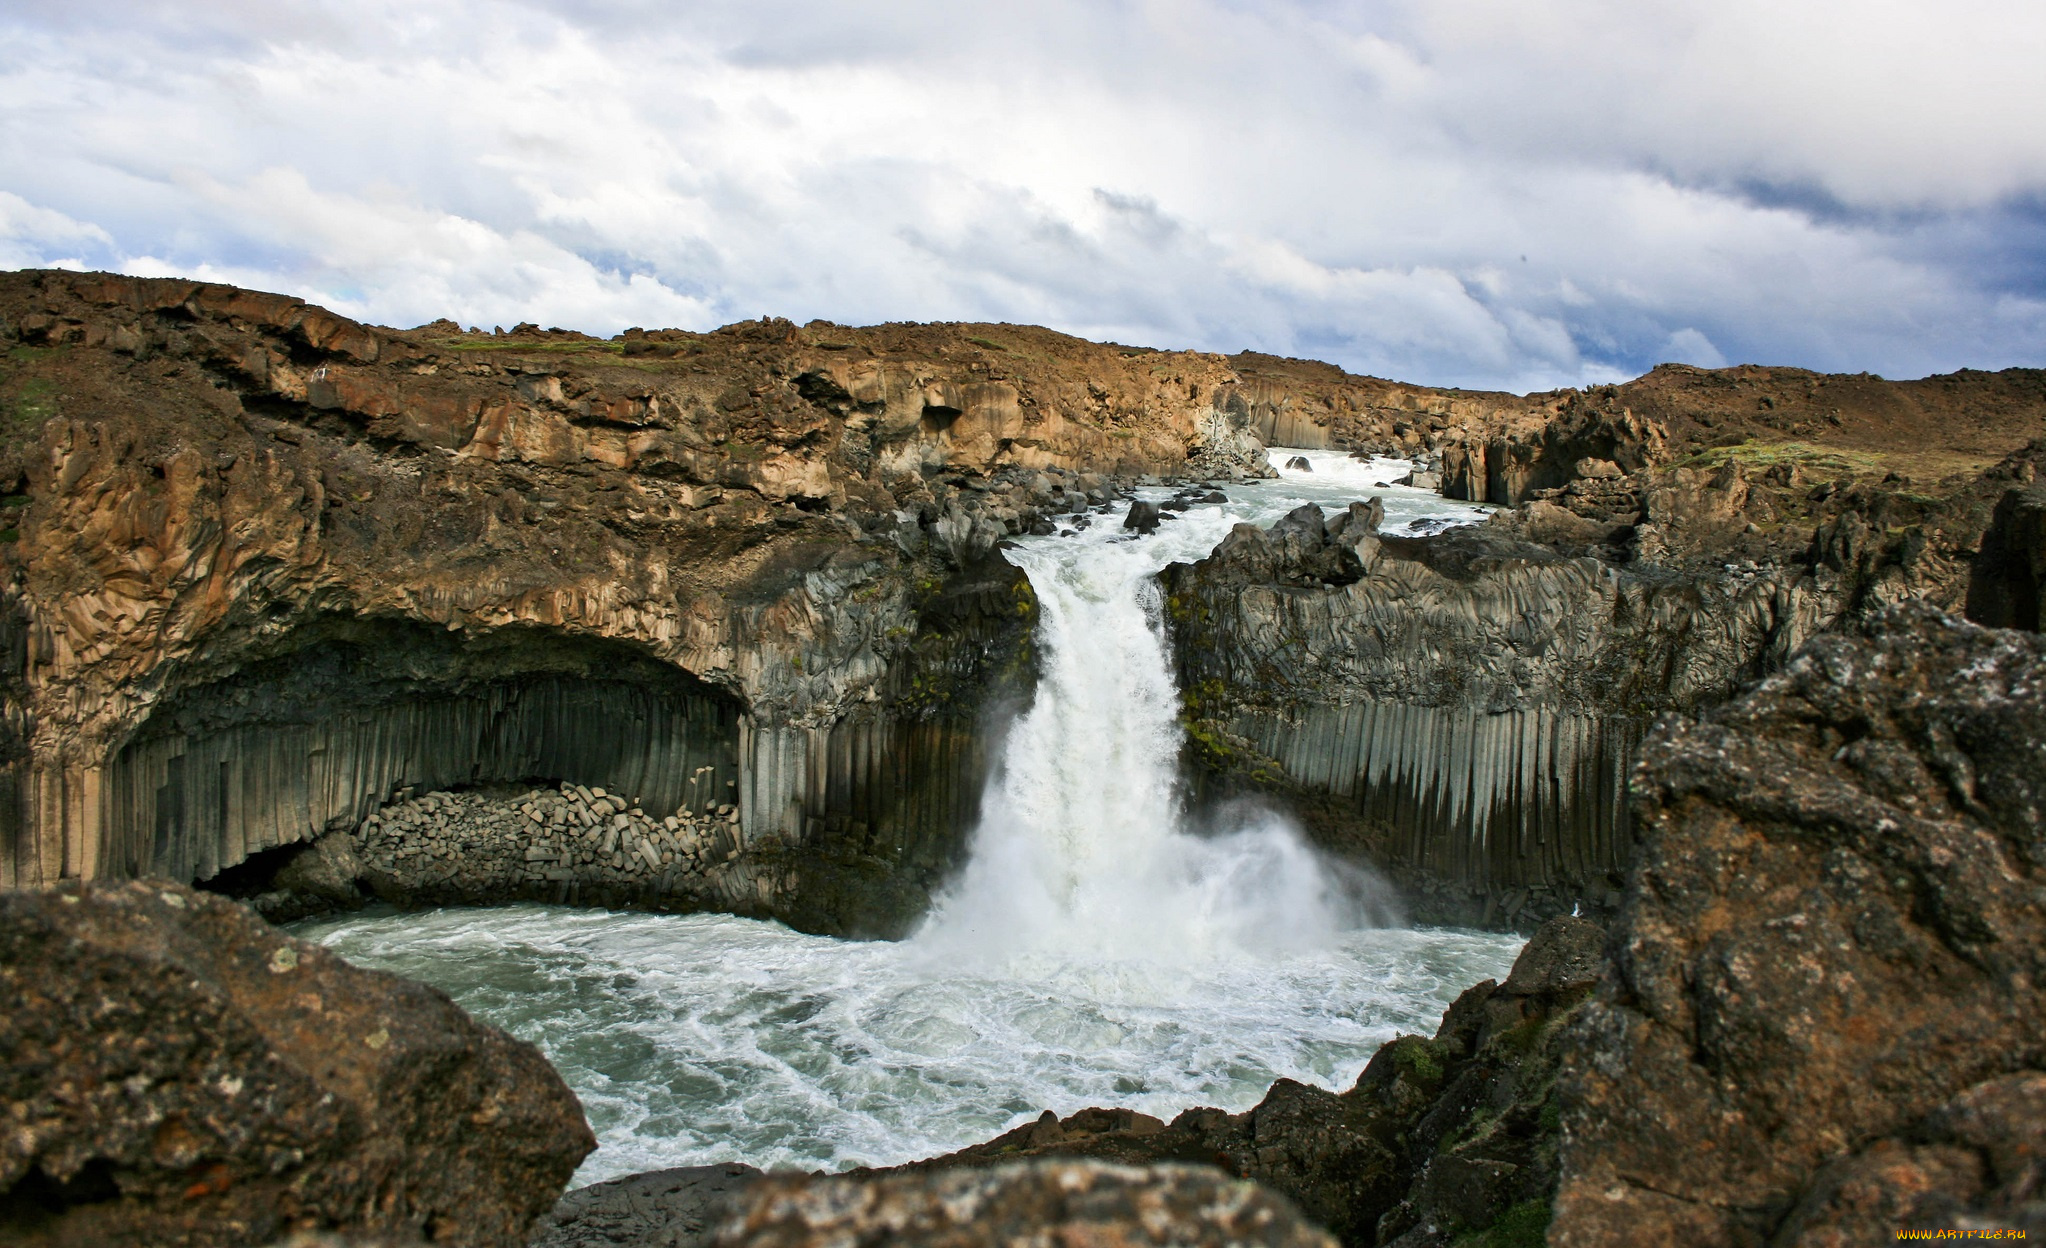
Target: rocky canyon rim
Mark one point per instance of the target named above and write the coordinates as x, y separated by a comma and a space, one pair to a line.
267, 567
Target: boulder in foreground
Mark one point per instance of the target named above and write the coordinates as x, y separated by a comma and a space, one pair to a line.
1076, 1203
175, 1071
1827, 1014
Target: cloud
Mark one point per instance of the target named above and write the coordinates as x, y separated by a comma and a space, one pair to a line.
1556, 192
1688, 346
33, 236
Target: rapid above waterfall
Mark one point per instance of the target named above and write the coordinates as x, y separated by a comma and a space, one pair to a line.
1104, 945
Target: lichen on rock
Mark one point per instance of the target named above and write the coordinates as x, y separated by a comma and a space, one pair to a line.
1828, 967
174, 1070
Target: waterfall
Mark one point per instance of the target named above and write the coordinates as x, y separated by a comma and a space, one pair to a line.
1095, 951
1084, 848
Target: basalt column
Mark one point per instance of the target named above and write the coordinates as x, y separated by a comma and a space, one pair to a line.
344, 712
852, 822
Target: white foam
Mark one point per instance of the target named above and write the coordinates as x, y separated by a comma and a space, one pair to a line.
699, 1039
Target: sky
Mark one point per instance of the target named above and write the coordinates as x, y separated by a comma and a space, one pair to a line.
1521, 194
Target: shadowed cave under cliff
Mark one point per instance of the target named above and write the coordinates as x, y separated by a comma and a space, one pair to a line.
342, 712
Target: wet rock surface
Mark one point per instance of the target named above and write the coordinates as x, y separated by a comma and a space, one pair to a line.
679, 1208
173, 1070
1018, 1206
1824, 1014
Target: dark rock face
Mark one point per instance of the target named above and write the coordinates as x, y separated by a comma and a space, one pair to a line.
219, 770
1511, 464
856, 819
678, 1208
2010, 571
1825, 1012
178, 1072
1018, 1206
1439, 1139
1460, 709
1143, 517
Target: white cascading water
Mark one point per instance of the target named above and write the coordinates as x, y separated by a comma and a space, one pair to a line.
1095, 951
1082, 847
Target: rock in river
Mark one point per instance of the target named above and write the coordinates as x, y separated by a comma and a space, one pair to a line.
1143, 517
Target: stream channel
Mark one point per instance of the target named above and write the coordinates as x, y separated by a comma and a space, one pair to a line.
1103, 946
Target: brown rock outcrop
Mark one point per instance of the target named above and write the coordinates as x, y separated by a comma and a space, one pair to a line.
174, 1071
2007, 587
1825, 1012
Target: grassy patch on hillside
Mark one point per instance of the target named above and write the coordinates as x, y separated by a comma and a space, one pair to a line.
26, 400
1814, 460
555, 348
1833, 463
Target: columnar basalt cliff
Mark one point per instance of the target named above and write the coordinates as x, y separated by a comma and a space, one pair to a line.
1464, 708
267, 565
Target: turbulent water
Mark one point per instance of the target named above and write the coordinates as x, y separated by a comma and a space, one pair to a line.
1096, 951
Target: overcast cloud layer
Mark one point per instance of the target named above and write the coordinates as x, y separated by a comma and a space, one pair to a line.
1516, 195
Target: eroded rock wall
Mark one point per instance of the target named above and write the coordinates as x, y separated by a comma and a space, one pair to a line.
350, 711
